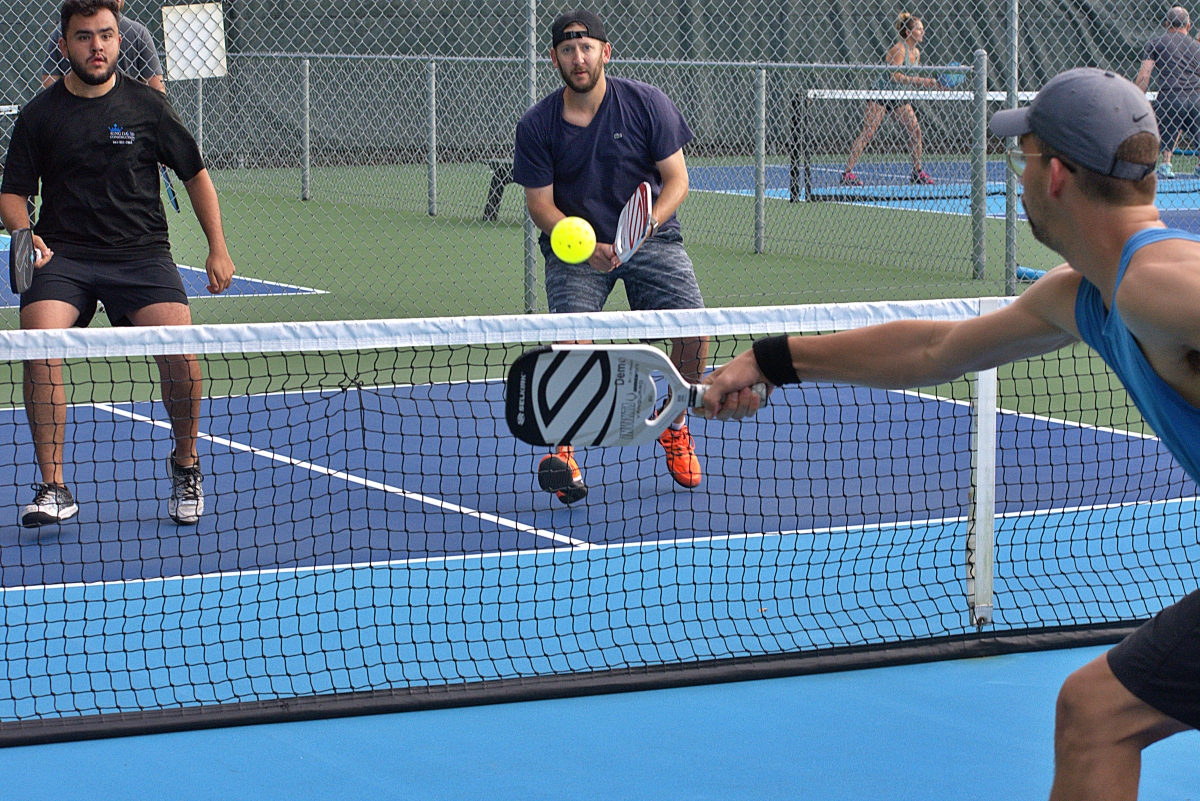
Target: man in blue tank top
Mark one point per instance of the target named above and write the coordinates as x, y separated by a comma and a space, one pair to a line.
581, 152
1130, 289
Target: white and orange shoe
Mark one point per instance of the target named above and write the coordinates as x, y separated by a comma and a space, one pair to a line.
559, 473
682, 463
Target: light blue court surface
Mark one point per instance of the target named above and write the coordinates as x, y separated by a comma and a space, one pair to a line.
885, 185
970, 730
195, 281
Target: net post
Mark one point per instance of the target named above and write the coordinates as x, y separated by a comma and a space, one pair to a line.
431, 135
979, 167
306, 138
981, 515
760, 164
1010, 194
531, 92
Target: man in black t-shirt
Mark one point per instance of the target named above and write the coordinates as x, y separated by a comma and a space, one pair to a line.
1176, 56
94, 141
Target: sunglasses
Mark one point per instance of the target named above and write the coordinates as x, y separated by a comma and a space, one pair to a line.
1017, 159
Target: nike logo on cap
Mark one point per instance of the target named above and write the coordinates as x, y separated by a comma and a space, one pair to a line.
1137, 118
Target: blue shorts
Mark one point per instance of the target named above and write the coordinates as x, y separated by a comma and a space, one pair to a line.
123, 287
659, 276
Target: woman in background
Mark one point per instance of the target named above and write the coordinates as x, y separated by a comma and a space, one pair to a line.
905, 53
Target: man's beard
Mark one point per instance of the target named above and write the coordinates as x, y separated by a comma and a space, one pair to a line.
593, 79
80, 70
1037, 232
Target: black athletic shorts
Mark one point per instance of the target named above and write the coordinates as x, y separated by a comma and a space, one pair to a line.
1178, 115
1160, 662
122, 286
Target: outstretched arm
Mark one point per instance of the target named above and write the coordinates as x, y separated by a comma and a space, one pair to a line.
208, 211
913, 353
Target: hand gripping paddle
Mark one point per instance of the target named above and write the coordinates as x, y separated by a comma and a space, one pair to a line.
595, 395
633, 226
21, 256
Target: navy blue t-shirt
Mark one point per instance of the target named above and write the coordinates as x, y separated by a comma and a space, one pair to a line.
595, 169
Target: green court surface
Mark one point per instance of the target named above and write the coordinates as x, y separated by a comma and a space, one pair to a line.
366, 240
367, 243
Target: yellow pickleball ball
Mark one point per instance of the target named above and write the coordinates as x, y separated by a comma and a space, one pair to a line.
573, 240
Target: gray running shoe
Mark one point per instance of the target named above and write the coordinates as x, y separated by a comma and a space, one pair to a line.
52, 503
186, 503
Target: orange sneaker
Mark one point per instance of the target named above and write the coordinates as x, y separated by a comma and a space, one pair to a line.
559, 473
681, 457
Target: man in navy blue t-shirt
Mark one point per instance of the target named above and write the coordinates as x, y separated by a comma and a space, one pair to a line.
581, 152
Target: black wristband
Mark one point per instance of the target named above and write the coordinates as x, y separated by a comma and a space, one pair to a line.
774, 359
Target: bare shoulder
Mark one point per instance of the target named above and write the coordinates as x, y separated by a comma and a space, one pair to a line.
1052, 299
1161, 290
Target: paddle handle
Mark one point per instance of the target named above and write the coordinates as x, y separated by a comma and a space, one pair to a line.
696, 394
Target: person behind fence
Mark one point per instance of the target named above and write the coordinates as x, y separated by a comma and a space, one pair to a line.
138, 57
582, 151
906, 52
91, 144
1129, 289
1176, 56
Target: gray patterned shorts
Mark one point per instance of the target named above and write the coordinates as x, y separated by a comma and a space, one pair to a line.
659, 276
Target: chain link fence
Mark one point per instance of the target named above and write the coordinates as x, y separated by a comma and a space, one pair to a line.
362, 151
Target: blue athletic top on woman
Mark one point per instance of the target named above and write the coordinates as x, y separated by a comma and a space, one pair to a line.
1176, 421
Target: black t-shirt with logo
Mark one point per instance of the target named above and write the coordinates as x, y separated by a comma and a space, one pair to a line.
97, 161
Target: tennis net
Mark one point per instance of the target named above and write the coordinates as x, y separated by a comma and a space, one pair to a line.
375, 540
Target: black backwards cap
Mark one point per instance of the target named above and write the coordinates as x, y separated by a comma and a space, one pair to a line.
592, 26
1085, 114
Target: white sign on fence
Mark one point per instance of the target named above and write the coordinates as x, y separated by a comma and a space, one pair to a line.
194, 36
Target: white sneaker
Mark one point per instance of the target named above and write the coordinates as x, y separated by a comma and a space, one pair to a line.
186, 503
52, 504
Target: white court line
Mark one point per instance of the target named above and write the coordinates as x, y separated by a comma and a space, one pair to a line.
599, 547
305, 290
350, 478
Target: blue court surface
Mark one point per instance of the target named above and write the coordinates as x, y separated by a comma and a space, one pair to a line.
436, 522
885, 185
436, 532
968, 730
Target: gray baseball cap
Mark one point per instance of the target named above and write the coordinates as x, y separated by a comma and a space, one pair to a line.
1085, 114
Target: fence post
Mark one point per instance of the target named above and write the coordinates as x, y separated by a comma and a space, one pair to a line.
760, 166
306, 138
431, 135
979, 167
981, 520
1010, 193
200, 116
530, 229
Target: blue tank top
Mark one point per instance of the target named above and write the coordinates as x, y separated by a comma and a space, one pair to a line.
1176, 421
888, 80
